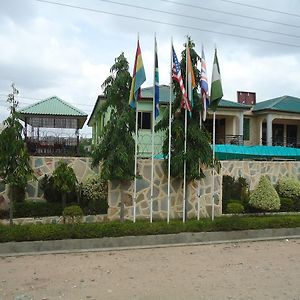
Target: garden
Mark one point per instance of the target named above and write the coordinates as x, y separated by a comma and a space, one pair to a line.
237, 198
63, 196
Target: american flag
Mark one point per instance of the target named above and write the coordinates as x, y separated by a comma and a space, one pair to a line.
176, 75
204, 84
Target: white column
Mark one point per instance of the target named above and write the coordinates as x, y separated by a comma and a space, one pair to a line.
241, 127
269, 129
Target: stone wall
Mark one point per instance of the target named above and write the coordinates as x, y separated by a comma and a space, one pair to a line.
116, 190
46, 165
251, 170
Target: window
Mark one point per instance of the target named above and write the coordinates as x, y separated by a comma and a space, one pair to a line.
144, 120
246, 129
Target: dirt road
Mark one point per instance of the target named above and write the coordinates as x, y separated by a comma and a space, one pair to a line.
258, 270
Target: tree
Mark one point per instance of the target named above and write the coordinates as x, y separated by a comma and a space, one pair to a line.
64, 180
15, 169
198, 140
116, 148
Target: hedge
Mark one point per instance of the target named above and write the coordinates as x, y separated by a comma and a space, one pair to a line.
37, 209
37, 232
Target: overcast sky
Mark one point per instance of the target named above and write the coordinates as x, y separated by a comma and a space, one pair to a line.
51, 50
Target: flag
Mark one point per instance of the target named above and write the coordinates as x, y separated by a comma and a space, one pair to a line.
176, 75
156, 80
138, 78
204, 85
190, 76
216, 92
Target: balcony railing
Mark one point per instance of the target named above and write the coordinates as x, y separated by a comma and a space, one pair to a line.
56, 146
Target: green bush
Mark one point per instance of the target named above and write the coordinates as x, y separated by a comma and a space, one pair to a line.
93, 197
264, 196
235, 208
288, 187
17, 193
37, 232
36, 209
234, 189
287, 204
72, 214
51, 192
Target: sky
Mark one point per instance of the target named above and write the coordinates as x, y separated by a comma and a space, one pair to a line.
49, 49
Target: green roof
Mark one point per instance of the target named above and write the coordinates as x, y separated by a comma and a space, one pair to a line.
284, 103
230, 104
52, 106
164, 96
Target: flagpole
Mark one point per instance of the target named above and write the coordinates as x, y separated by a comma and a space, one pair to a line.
170, 131
153, 122
198, 194
185, 138
213, 170
135, 155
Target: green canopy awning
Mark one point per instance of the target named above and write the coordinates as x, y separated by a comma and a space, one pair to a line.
231, 152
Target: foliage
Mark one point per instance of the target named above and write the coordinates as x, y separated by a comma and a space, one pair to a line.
15, 169
37, 232
64, 179
288, 187
116, 148
235, 189
17, 193
51, 192
198, 140
84, 145
93, 197
235, 208
264, 196
287, 204
37, 209
72, 214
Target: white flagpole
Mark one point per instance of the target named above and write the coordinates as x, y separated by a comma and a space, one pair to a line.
170, 131
198, 194
135, 157
153, 123
185, 138
213, 170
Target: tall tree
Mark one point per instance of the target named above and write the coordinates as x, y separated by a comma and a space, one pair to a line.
116, 148
198, 140
15, 169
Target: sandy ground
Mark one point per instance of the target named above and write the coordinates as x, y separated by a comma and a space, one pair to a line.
258, 270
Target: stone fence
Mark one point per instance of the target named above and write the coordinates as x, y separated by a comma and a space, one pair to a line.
251, 170
46, 165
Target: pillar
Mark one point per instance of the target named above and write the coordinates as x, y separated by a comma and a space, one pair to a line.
241, 128
269, 129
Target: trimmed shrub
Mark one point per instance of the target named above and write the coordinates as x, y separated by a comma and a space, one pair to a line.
72, 214
287, 204
93, 198
29, 209
235, 208
264, 196
288, 187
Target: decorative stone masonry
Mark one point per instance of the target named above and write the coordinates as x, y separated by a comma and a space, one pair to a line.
119, 190
46, 165
54, 220
251, 170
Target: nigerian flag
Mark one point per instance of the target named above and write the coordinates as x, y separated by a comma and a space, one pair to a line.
216, 92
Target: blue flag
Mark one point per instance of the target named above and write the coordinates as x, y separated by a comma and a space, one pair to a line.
156, 80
